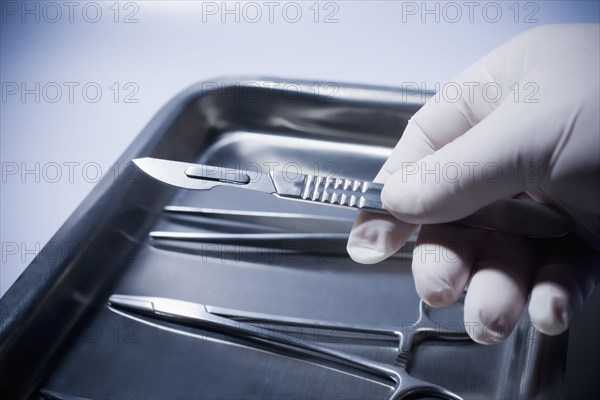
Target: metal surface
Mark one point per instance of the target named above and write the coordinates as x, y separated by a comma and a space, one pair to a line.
58, 334
204, 316
512, 216
261, 220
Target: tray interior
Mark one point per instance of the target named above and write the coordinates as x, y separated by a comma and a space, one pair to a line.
116, 356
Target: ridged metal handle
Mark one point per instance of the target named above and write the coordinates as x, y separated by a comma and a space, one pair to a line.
362, 195
344, 192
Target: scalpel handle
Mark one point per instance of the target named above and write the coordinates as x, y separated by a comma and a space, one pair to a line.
516, 217
363, 195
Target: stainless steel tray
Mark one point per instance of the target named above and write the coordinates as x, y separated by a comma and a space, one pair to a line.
59, 339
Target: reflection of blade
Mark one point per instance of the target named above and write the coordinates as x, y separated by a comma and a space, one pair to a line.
285, 221
202, 177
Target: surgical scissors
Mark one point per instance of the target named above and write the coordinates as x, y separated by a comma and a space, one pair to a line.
226, 321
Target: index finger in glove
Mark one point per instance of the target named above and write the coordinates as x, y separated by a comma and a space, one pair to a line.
375, 237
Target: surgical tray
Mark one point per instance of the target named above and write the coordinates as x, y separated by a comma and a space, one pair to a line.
60, 339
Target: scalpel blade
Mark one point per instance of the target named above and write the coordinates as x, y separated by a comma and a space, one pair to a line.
203, 177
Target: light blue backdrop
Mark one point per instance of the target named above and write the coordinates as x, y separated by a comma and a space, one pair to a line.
59, 134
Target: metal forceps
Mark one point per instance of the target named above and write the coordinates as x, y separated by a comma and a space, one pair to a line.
226, 321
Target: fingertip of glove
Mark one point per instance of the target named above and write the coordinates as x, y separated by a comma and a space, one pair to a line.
365, 255
362, 245
549, 310
439, 296
488, 336
376, 237
487, 328
371, 241
487, 323
433, 288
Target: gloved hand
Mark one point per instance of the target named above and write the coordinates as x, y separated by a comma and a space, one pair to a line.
526, 123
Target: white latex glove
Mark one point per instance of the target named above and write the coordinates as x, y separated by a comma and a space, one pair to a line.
541, 139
